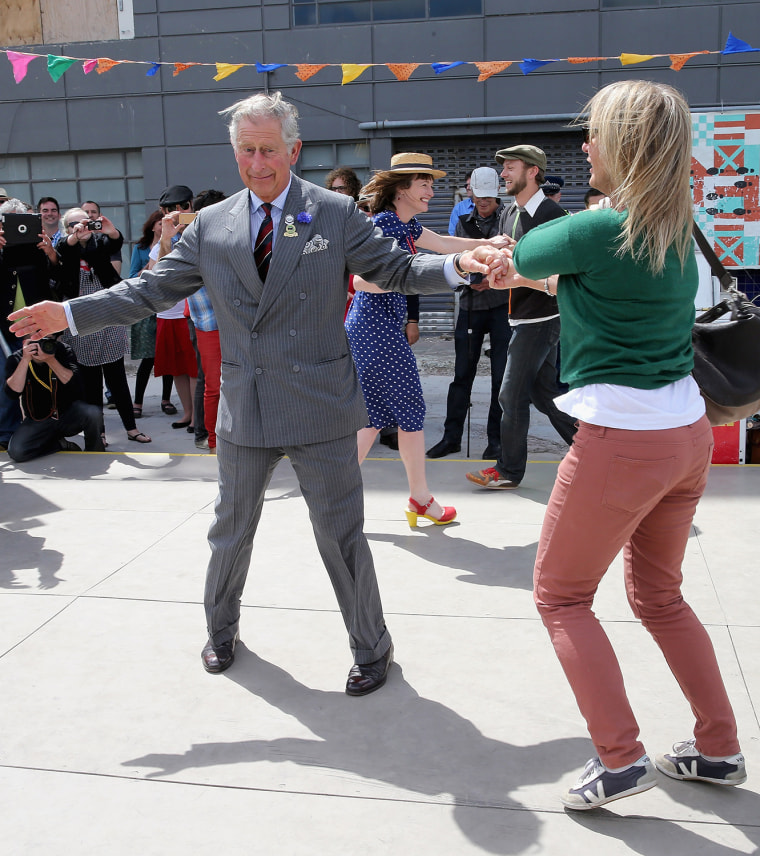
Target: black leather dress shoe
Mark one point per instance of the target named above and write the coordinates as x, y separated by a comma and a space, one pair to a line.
440, 450
217, 658
491, 453
368, 677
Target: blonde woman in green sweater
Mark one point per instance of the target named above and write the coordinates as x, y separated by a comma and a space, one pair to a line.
625, 279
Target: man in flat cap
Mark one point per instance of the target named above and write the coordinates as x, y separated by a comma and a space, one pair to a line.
531, 373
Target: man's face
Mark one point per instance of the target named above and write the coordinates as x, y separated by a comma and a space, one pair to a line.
91, 210
50, 213
263, 159
485, 205
515, 175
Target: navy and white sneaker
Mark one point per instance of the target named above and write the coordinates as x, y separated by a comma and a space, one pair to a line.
686, 762
598, 785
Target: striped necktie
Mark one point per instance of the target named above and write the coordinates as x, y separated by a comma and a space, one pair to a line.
262, 251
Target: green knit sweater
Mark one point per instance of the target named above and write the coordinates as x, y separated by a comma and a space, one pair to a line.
621, 324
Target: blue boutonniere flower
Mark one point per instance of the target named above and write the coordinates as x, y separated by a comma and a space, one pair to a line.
304, 217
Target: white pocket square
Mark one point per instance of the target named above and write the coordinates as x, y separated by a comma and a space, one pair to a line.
315, 245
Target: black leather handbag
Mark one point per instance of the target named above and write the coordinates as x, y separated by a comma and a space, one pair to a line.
726, 340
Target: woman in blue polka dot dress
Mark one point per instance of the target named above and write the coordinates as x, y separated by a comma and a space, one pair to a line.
375, 324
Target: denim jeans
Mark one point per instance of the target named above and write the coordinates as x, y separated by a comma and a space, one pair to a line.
33, 438
530, 377
468, 342
10, 410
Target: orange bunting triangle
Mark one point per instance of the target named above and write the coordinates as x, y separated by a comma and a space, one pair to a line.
225, 69
403, 70
632, 59
678, 61
580, 59
105, 64
307, 70
352, 70
181, 66
486, 69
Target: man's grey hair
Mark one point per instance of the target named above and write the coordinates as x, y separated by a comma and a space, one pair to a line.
15, 206
261, 107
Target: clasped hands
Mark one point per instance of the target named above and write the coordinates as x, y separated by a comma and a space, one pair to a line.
495, 263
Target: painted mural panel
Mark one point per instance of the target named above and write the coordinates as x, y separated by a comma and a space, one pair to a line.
726, 184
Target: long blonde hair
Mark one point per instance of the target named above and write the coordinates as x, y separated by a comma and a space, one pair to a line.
643, 131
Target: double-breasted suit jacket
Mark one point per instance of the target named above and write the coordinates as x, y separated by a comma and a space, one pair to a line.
287, 373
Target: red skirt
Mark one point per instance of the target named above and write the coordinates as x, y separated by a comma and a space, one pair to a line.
175, 354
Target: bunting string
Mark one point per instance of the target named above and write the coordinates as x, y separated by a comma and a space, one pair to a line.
57, 66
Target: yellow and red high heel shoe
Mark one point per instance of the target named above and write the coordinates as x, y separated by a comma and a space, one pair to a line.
415, 510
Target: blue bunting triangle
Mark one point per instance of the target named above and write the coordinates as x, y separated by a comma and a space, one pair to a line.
153, 70
272, 66
440, 67
528, 65
734, 45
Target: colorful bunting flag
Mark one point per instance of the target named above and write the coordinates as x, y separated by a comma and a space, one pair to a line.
487, 69
307, 70
58, 66
440, 67
632, 59
20, 64
402, 70
105, 64
352, 70
181, 66
734, 45
678, 61
225, 69
528, 65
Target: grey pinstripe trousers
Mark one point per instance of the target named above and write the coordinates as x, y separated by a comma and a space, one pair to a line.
329, 476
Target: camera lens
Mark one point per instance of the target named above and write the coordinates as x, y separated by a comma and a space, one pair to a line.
47, 346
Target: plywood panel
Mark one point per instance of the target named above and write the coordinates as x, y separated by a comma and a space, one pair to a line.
20, 23
79, 21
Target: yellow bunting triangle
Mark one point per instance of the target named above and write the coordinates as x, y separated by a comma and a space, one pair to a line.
486, 69
632, 59
403, 70
225, 69
105, 64
307, 70
352, 70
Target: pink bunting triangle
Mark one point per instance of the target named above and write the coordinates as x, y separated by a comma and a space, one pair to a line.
20, 63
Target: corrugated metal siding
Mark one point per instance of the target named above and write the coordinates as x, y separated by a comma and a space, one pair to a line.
564, 157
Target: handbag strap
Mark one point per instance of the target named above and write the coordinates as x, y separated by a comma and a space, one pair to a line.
728, 282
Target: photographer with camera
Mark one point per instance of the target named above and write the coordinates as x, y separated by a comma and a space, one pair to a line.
44, 376
86, 268
28, 267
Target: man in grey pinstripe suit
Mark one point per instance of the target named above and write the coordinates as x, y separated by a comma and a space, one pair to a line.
289, 386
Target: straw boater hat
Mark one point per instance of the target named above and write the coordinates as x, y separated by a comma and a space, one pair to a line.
412, 162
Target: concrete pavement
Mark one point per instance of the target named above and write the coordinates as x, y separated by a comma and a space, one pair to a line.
115, 741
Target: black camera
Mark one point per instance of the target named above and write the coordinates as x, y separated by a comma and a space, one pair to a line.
47, 346
94, 225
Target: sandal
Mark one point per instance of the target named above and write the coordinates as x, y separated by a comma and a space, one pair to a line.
139, 437
168, 408
137, 410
